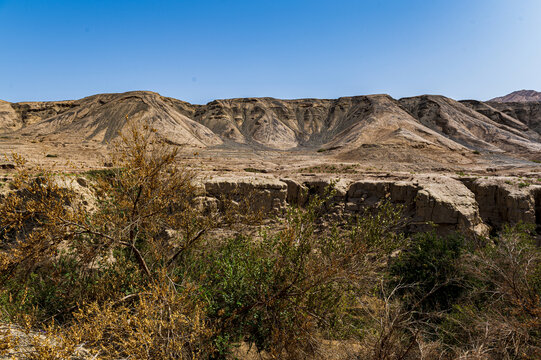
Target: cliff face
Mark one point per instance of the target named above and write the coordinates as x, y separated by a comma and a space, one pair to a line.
468, 205
14, 116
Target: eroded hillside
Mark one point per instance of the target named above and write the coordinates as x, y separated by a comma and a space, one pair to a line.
422, 133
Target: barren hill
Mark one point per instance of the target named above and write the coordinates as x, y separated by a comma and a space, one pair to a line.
101, 117
519, 96
373, 126
344, 122
351, 122
470, 128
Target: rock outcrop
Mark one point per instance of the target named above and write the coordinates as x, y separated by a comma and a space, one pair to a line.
443, 201
468, 205
14, 116
256, 193
506, 200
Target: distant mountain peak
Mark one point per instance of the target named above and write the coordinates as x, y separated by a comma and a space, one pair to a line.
519, 96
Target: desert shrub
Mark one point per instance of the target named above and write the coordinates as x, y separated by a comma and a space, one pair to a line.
47, 291
58, 253
233, 279
504, 320
283, 292
160, 322
54, 290
391, 328
430, 267
101, 173
146, 192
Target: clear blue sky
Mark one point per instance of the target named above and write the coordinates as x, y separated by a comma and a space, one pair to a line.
202, 50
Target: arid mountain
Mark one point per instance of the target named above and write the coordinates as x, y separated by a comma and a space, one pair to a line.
14, 116
527, 113
519, 96
101, 117
468, 127
344, 122
350, 122
424, 124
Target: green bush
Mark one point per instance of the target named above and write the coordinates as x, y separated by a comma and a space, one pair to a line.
430, 269
55, 289
234, 279
277, 292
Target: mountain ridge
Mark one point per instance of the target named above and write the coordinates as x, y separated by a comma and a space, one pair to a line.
425, 122
519, 96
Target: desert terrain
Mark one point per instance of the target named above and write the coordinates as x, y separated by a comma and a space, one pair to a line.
245, 211
463, 165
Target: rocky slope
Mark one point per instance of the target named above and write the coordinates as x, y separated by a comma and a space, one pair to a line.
519, 96
471, 128
527, 113
421, 125
101, 117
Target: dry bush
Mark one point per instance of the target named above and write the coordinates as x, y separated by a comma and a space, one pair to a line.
56, 254
504, 318
395, 329
147, 192
34, 217
159, 323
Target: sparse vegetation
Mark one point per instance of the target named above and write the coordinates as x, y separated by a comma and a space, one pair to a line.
137, 274
328, 149
331, 169
254, 170
101, 173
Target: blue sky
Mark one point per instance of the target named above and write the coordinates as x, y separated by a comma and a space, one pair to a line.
202, 50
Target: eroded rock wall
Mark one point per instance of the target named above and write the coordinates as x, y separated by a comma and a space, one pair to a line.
443, 201
506, 200
266, 194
